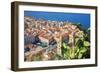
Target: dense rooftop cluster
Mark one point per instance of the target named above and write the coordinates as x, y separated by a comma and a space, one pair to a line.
44, 38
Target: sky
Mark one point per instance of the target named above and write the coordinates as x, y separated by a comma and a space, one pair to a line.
84, 19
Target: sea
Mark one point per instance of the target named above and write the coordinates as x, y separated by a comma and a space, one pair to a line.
81, 18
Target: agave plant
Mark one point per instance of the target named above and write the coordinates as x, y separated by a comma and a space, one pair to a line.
81, 47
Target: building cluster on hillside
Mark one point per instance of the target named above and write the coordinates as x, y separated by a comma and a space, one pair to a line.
43, 38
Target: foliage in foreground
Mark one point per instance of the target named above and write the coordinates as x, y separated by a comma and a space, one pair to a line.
81, 49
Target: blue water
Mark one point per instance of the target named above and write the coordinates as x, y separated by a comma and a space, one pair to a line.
81, 18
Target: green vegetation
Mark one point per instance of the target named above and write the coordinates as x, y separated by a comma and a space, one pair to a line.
80, 50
